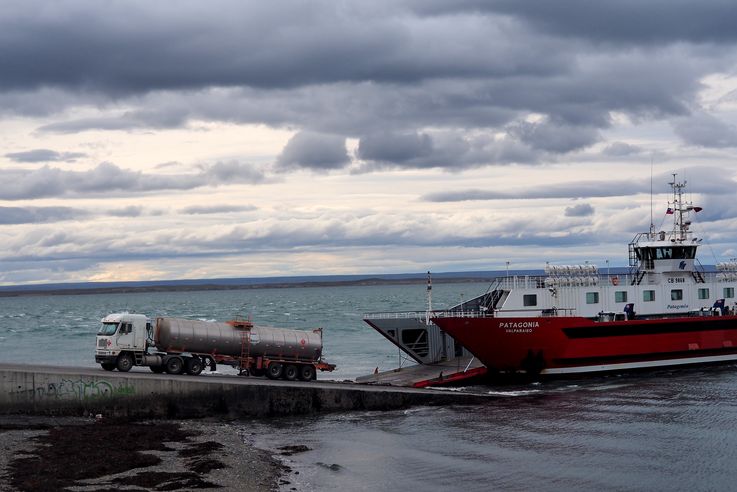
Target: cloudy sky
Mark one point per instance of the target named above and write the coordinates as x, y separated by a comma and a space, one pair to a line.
163, 140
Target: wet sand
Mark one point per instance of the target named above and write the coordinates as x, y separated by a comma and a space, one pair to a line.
86, 455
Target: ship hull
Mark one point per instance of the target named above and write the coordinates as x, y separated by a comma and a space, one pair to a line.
576, 345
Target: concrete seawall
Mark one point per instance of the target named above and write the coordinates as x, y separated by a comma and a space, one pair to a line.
50, 390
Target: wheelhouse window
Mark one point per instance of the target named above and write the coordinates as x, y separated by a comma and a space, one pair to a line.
729, 292
675, 253
620, 296
646, 255
592, 298
108, 329
529, 300
676, 295
648, 295
703, 293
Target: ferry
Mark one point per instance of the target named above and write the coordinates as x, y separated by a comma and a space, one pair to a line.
666, 310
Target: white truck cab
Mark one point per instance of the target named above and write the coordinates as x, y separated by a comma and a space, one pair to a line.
121, 332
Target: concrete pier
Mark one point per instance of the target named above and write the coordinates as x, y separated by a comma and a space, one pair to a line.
47, 390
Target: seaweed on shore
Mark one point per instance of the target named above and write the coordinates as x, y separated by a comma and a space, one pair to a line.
166, 481
67, 455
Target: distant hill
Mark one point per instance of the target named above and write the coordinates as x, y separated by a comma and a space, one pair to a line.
238, 283
258, 282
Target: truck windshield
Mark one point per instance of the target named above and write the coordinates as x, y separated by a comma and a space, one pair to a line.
108, 329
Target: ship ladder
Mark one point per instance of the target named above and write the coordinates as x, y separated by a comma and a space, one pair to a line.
245, 353
638, 278
698, 278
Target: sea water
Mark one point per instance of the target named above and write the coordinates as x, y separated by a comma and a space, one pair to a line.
60, 330
660, 430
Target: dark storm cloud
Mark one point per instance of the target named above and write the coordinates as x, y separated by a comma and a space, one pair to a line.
139, 46
623, 21
110, 179
281, 235
705, 130
555, 137
226, 172
582, 97
712, 181
716, 208
581, 189
449, 150
44, 155
580, 210
313, 151
37, 215
133, 120
45, 215
130, 211
382, 72
621, 149
396, 148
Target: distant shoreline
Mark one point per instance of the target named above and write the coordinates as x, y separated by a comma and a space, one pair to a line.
27, 292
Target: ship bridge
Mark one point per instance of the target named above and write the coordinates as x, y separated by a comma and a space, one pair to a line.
669, 252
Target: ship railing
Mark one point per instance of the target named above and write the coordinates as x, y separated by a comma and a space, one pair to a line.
559, 281
422, 315
397, 315
461, 314
501, 313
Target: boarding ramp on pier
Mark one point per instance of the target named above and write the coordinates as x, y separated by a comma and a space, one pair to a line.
455, 371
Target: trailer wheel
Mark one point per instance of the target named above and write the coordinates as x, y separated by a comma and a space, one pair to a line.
108, 366
156, 369
194, 366
124, 363
274, 371
306, 373
290, 372
174, 365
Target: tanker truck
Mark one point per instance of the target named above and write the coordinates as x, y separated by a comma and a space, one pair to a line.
177, 346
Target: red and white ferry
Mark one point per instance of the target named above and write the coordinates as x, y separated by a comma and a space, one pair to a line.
666, 311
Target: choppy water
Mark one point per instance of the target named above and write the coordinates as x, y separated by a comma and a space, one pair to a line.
61, 329
669, 431
666, 430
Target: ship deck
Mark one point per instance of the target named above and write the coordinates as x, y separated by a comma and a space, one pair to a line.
448, 372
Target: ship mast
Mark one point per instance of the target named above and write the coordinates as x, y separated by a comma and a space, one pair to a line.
680, 227
429, 299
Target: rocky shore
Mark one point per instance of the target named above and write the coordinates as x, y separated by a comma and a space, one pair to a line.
96, 455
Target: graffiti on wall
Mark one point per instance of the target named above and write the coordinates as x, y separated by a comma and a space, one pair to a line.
74, 389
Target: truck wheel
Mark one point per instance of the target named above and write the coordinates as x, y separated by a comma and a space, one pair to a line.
157, 369
125, 362
274, 371
194, 366
306, 373
175, 365
290, 372
108, 366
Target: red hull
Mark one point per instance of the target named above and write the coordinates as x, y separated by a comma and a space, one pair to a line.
559, 345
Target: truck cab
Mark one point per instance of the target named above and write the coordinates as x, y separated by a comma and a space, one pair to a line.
121, 332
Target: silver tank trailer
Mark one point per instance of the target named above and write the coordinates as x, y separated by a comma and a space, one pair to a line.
185, 335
